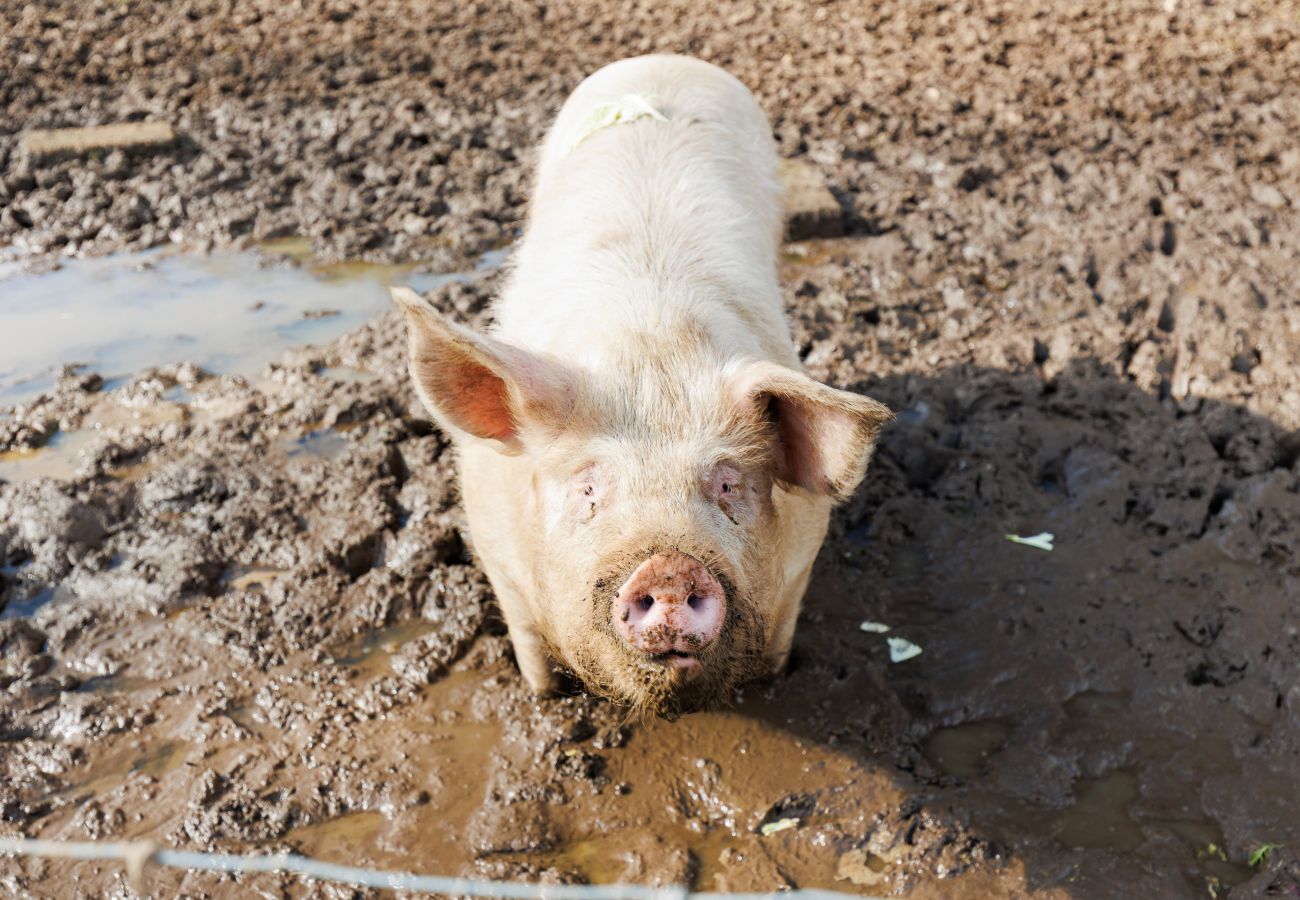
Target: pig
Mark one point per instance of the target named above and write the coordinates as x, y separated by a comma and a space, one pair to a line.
646, 471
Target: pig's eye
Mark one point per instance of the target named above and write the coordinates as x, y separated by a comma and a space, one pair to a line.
586, 501
728, 489
587, 494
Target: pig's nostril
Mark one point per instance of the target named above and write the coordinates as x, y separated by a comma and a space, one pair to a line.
671, 602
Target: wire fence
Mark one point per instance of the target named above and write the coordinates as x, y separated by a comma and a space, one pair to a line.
138, 856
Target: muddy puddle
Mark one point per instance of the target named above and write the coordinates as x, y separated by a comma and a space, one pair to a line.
57, 458
24, 608
227, 312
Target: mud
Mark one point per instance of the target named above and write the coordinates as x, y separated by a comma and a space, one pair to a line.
238, 612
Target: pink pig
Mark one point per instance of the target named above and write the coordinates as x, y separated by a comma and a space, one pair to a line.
647, 472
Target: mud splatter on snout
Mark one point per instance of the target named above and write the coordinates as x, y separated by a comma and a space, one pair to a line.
648, 685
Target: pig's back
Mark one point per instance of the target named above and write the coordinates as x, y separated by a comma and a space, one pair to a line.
723, 117
653, 224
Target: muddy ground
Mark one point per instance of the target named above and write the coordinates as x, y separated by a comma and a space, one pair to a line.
1070, 263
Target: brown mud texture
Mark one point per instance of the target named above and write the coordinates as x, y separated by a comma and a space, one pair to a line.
1069, 262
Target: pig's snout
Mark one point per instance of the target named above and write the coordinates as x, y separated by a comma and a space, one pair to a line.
670, 604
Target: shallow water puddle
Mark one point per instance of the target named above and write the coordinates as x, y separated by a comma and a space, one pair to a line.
963, 750
321, 443
109, 772
1099, 817
227, 312
161, 759
246, 716
22, 608
700, 809
1095, 704
450, 751
370, 654
1203, 839
346, 837
347, 375
613, 858
116, 683
242, 578
58, 458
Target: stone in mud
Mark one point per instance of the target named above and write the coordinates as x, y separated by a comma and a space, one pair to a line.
58, 143
42, 521
19, 642
857, 866
1267, 195
811, 210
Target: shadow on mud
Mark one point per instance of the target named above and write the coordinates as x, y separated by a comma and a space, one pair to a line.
1128, 697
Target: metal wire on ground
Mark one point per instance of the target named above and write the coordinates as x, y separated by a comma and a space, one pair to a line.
139, 855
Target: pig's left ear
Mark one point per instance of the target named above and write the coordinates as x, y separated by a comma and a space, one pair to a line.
825, 436
480, 385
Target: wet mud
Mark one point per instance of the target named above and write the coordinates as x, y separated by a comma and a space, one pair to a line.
119, 313
237, 611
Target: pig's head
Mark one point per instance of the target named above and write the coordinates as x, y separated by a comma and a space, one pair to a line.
659, 573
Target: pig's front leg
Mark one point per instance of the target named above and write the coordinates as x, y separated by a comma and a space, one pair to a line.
534, 661
530, 652
778, 653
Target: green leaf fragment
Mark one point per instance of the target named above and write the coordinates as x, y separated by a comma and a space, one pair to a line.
628, 108
1262, 853
1041, 541
778, 825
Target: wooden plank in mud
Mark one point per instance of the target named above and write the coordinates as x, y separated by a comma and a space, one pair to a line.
57, 143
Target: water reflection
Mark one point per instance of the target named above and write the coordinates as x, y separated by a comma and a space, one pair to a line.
227, 312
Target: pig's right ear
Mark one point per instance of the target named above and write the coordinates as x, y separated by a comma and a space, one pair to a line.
825, 437
479, 385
